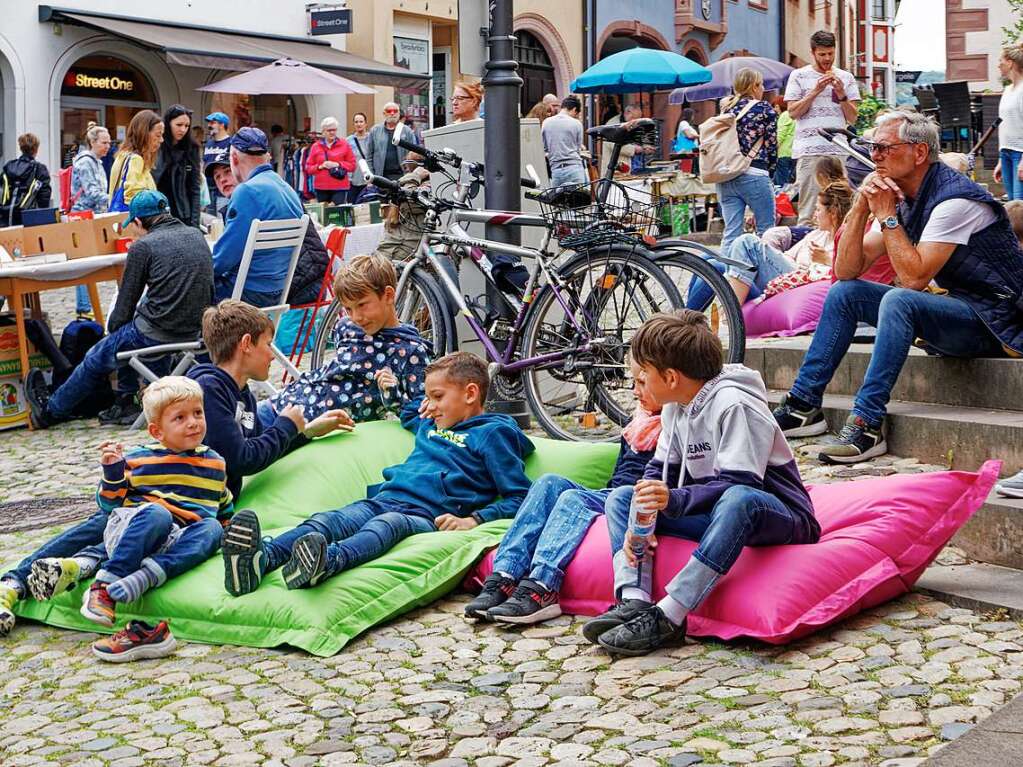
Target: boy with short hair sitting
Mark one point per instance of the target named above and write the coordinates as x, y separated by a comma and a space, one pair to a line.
552, 523
167, 502
369, 342
722, 475
463, 461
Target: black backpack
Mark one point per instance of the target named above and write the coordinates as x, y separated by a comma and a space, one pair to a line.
78, 337
16, 197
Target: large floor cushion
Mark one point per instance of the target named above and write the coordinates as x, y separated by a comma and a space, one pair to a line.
327, 474
789, 313
878, 536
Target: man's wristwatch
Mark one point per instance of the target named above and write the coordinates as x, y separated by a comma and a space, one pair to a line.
892, 222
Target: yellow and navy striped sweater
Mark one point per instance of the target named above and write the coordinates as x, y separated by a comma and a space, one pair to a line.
191, 485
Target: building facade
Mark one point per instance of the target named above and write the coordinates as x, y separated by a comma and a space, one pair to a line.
88, 61
974, 40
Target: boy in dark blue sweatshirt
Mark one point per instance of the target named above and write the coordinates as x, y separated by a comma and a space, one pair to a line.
466, 469
238, 338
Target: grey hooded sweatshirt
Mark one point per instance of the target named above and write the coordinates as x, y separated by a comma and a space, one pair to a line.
727, 436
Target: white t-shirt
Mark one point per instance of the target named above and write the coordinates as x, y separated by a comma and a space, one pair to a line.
956, 221
824, 112
1010, 109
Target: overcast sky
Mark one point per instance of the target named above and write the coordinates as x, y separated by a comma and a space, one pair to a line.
920, 36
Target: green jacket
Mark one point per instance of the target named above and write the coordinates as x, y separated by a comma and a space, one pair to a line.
786, 133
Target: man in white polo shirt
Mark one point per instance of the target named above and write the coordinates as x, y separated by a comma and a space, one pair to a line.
819, 95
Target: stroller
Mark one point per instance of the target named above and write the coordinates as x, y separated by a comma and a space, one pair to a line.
858, 163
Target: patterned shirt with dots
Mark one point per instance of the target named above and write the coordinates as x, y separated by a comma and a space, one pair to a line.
347, 382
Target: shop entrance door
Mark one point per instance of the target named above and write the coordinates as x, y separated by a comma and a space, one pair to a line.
74, 121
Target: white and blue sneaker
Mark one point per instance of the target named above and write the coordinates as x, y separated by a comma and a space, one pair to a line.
1011, 487
244, 557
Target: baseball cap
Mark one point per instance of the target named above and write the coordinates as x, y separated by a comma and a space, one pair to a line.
250, 141
218, 117
146, 203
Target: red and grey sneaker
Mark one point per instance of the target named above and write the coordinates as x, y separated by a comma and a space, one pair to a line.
496, 589
136, 641
531, 603
97, 605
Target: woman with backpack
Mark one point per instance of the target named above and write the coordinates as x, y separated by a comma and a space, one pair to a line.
177, 172
330, 162
132, 170
25, 183
756, 126
89, 191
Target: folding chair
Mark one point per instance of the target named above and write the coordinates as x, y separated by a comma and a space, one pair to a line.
335, 251
263, 235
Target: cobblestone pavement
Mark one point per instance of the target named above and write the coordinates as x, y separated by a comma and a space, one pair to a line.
888, 687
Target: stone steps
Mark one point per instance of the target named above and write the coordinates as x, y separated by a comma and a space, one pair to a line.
977, 586
987, 383
953, 436
995, 533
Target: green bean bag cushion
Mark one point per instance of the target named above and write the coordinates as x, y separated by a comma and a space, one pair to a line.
327, 474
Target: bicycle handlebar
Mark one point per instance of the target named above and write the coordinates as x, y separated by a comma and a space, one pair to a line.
381, 182
449, 158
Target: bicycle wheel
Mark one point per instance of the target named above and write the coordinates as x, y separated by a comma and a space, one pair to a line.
421, 304
706, 290
325, 333
608, 293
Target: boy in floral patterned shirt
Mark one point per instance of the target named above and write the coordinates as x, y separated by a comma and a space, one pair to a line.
380, 362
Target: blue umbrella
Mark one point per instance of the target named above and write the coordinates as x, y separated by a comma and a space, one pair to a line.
640, 69
775, 75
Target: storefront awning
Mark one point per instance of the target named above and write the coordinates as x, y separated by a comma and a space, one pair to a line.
236, 51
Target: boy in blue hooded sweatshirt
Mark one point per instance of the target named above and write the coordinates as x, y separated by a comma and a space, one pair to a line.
466, 469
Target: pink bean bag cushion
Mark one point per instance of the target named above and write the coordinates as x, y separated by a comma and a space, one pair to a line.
787, 314
878, 536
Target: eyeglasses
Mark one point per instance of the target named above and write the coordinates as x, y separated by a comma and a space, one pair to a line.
882, 150
462, 98
390, 111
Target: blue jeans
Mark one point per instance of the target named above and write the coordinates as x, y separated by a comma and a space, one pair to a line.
699, 296
548, 528
65, 544
83, 304
194, 545
223, 287
784, 171
749, 189
761, 262
947, 324
742, 516
1010, 161
100, 362
357, 533
574, 173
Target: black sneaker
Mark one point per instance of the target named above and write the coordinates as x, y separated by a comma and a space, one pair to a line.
643, 634
531, 603
124, 412
308, 563
622, 612
37, 393
799, 423
242, 549
496, 589
856, 442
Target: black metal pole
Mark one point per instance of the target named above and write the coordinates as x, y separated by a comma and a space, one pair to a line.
501, 126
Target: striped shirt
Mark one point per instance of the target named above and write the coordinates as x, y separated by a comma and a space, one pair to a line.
191, 485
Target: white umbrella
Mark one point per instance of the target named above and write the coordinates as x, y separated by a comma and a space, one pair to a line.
287, 77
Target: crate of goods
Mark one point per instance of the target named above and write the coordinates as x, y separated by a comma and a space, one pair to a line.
12, 239
339, 215
104, 230
13, 406
316, 212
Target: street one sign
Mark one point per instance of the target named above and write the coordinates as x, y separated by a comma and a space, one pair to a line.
93, 82
335, 22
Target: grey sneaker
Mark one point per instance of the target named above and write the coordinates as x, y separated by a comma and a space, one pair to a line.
799, 423
643, 634
1011, 487
856, 442
242, 549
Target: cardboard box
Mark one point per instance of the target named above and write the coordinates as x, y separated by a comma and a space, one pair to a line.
104, 233
51, 238
83, 238
12, 239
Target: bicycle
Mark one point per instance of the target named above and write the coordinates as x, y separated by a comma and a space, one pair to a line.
572, 320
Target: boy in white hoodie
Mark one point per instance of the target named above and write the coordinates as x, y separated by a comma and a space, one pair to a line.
722, 474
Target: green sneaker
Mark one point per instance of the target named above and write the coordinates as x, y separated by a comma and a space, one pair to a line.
8, 596
244, 558
52, 576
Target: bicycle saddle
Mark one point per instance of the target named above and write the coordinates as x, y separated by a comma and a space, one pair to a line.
563, 197
635, 132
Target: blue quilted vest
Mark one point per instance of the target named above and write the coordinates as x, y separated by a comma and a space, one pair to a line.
986, 272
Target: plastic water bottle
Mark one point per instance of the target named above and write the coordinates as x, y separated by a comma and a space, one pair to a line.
643, 524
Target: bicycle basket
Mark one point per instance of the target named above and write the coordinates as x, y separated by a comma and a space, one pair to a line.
598, 212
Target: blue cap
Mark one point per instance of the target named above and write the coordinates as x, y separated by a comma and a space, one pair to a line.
250, 141
147, 203
218, 117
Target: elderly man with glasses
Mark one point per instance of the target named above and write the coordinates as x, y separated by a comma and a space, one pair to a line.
935, 225
383, 156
